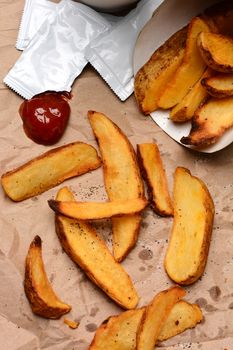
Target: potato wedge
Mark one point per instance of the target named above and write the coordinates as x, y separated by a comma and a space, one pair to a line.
83, 245
219, 86
98, 210
119, 332
185, 109
190, 70
152, 78
38, 290
122, 179
155, 316
210, 121
49, 170
188, 247
155, 177
220, 17
217, 51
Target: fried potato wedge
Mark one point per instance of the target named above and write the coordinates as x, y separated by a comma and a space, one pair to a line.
190, 70
186, 108
220, 17
155, 177
155, 316
83, 245
152, 78
122, 179
219, 86
119, 332
98, 210
217, 51
43, 300
49, 170
188, 247
210, 121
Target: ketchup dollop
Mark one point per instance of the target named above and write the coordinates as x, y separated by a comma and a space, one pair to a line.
45, 116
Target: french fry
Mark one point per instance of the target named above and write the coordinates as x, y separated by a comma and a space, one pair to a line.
42, 299
49, 170
188, 247
154, 174
152, 78
219, 86
83, 245
217, 51
122, 179
98, 210
155, 316
186, 108
190, 70
210, 121
119, 332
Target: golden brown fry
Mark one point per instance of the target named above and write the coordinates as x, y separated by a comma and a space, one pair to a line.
190, 70
155, 316
49, 170
152, 78
71, 324
210, 121
154, 174
182, 316
122, 179
185, 109
219, 86
39, 292
119, 332
188, 248
217, 51
98, 210
83, 245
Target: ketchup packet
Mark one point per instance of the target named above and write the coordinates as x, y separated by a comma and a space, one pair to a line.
34, 14
55, 55
112, 53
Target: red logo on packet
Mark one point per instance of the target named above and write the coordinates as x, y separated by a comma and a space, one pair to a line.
45, 116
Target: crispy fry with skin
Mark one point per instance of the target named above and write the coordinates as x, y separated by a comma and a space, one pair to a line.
119, 332
154, 174
217, 51
152, 78
186, 108
83, 245
98, 210
155, 316
190, 70
49, 170
188, 247
122, 179
210, 121
43, 301
219, 86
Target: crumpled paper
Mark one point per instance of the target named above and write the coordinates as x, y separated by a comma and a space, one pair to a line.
20, 329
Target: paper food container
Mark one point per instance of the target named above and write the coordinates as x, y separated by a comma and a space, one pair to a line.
171, 16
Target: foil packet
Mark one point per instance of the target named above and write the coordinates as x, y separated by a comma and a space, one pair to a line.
55, 55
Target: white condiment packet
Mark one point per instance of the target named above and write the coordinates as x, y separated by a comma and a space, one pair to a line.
35, 12
55, 55
112, 53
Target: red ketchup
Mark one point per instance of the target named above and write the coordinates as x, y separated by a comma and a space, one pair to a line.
45, 116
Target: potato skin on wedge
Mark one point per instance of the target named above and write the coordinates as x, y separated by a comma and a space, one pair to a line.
122, 179
155, 316
219, 86
152, 78
119, 332
155, 177
217, 51
98, 210
210, 121
83, 245
189, 243
50, 169
42, 299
